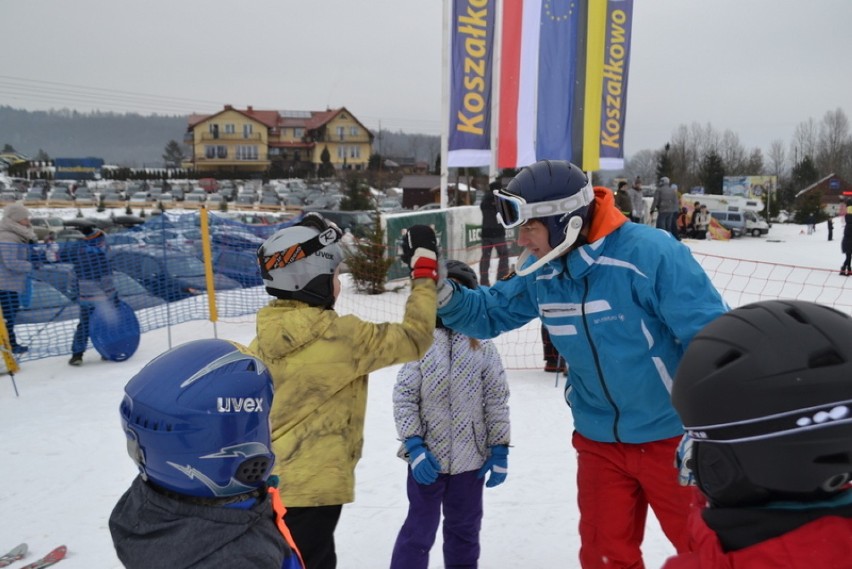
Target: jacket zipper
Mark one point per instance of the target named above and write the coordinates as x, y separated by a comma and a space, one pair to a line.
598, 362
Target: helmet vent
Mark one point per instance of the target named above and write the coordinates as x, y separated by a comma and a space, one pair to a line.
836, 458
252, 470
825, 358
728, 358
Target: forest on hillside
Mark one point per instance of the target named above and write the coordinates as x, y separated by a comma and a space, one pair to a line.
137, 141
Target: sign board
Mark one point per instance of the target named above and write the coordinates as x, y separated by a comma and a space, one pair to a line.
77, 168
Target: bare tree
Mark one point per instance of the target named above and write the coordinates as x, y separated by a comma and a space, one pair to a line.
733, 154
833, 142
642, 164
804, 140
777, 159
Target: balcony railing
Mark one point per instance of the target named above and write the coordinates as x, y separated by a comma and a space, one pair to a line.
207, 136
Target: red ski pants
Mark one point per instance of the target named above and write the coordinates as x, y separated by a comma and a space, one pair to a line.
616, 482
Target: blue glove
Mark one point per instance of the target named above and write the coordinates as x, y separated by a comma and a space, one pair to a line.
424, 465
684, 462
497, 464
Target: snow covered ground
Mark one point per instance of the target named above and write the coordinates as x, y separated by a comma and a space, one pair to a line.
63, 462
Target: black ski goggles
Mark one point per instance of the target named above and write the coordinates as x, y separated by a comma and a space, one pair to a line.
513, 210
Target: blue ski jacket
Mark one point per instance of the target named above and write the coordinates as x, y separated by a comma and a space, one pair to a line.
621, 310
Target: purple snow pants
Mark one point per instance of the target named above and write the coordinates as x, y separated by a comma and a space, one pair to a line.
461, 497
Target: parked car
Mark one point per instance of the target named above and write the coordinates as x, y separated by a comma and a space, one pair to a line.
134, 293
44, 225
48, 304
126, 239
360, 223
242, 266
741, 222
172, 277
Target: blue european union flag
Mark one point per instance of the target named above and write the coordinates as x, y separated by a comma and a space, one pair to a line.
558, 53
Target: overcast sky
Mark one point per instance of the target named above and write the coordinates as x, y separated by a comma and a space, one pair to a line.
757, 67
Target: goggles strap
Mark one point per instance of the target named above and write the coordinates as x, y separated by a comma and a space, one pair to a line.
572, 231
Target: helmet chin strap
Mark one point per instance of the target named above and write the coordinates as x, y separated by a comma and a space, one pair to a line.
572, 231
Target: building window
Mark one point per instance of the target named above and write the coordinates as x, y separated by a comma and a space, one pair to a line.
341, 152
354, 152
221, 152
230, 129
247, 129
246, 152
353, 131
214, 130
210, 152
298, 132
340, 131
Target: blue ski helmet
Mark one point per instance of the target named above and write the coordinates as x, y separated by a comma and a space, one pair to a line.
551, 184
764, 392
197, 419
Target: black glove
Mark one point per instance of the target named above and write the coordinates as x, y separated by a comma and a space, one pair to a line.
420, 252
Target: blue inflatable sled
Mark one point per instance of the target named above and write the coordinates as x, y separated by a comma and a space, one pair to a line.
114, 331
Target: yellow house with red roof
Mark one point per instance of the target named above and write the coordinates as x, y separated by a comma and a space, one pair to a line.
250, 142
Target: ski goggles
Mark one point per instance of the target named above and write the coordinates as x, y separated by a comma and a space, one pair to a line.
513, 210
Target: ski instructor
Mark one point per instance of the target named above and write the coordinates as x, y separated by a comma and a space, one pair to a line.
621, 301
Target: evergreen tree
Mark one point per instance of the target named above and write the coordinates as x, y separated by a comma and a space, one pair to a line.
809, 207
712, 173
357, 196
664, 163
375, 162
173, 155
326, 168
804, 174
368, 264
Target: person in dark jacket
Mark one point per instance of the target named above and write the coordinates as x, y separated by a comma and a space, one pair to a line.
493, 237
622, 200
846, 246
94, 284
763, 392
196, 420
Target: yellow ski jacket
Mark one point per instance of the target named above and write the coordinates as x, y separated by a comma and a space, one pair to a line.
319, 362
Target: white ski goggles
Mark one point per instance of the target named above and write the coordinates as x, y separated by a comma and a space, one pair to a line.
513, 210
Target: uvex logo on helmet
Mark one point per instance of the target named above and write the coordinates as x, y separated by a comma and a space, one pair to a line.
237, 404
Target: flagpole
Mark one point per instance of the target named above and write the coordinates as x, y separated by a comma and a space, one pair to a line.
445, 102
496, 61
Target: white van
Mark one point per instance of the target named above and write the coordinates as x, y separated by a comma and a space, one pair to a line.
741, 222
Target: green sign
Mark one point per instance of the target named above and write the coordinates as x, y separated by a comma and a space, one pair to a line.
473, 238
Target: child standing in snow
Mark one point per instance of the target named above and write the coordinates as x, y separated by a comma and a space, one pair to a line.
452, 414
196, 420
319, 362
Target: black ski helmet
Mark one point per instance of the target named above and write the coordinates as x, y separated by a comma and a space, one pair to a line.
765, 391
462, 273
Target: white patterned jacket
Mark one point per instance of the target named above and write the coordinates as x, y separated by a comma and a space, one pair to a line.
456, 399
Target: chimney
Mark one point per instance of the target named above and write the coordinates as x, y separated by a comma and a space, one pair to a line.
250, 109
228, 107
